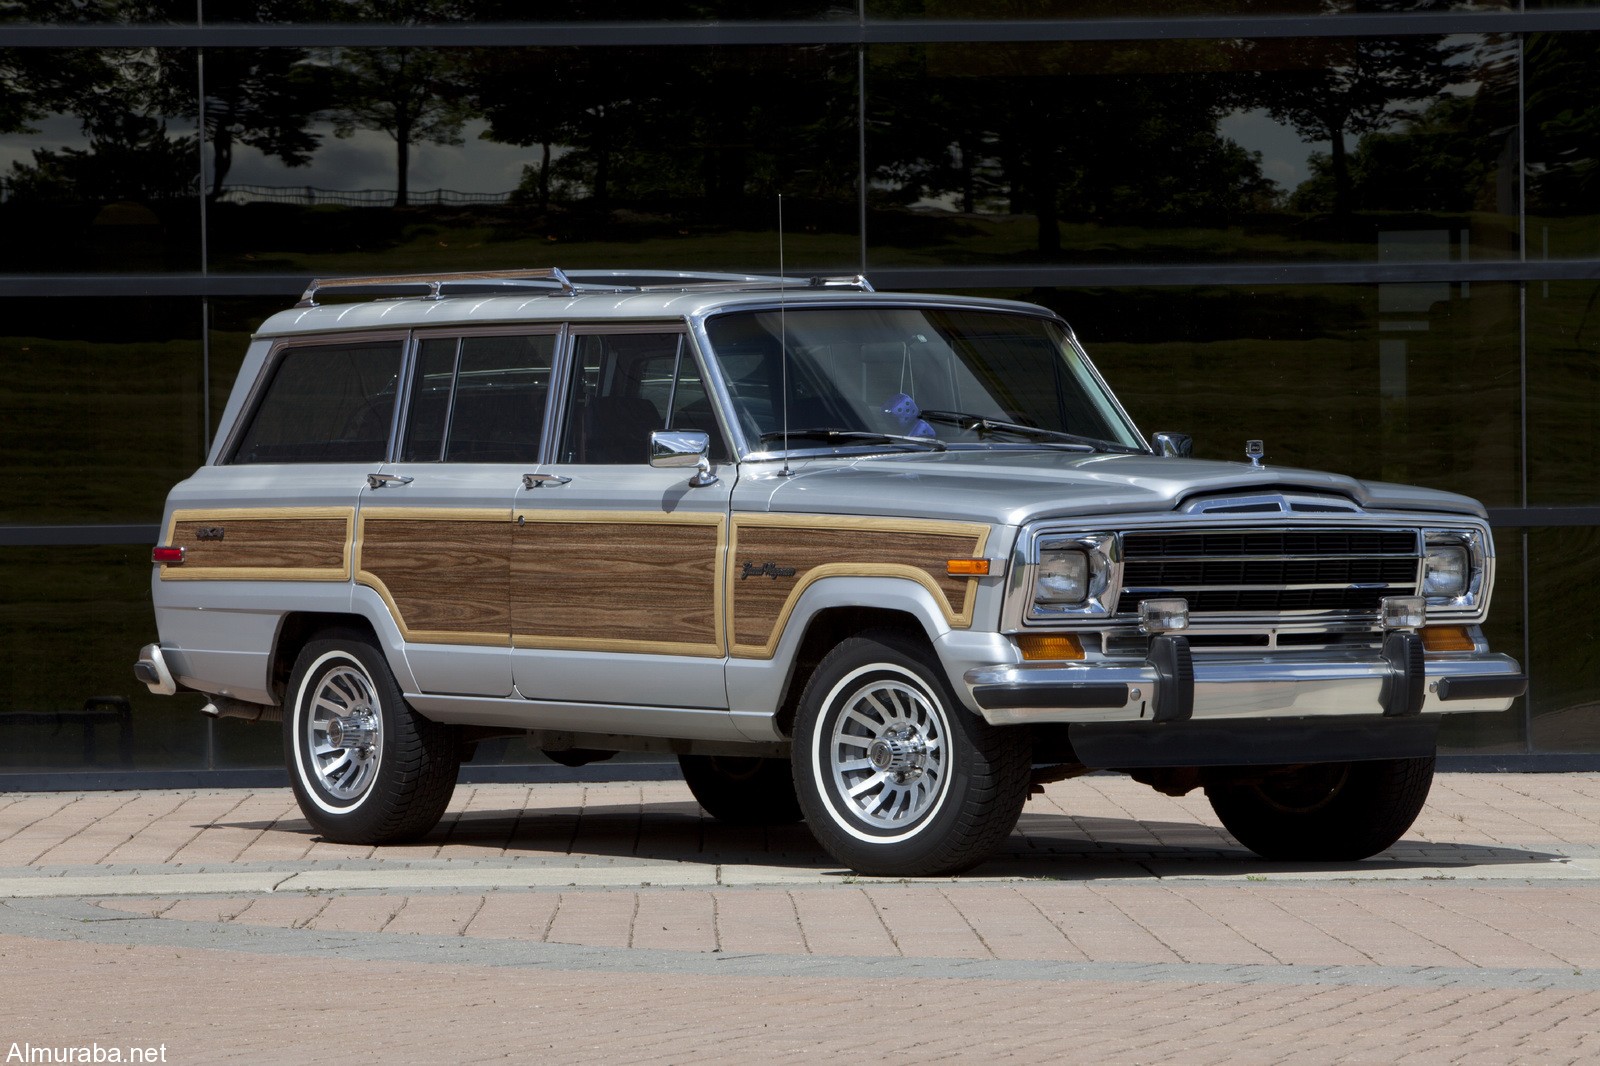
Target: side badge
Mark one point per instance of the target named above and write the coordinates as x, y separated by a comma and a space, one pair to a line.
208, 533
771, 570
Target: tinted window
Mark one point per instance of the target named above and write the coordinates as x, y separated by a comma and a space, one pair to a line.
325, 404
479, 399
626, 386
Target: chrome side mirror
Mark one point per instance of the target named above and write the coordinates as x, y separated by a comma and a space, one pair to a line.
1173, 445
672, 449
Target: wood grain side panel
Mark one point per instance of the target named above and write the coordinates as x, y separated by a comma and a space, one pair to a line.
265, 545
761, 603
599, 584
445, 579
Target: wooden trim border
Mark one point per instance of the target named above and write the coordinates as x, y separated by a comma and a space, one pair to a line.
235, 515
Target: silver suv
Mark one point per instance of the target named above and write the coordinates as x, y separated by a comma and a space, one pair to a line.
880, 561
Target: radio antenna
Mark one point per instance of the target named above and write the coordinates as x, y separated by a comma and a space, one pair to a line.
783, 343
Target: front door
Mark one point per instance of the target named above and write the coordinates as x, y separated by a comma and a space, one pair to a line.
617, 567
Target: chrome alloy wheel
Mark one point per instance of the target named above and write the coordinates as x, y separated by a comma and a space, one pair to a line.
888, 755
344, 733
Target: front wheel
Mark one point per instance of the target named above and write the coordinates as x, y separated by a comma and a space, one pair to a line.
365, 767
1324, 812
896, 778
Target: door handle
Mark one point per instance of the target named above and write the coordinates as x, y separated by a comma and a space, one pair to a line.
378, 481
533, 481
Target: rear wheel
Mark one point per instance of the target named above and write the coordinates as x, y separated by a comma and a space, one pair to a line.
742, 790
1324, 812
895, 776
365, 767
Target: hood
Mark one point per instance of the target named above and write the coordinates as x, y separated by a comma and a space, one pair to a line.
1013, 487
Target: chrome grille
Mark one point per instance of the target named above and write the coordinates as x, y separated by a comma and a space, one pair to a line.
1271, 571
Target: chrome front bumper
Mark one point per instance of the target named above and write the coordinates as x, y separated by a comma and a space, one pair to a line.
1173, 685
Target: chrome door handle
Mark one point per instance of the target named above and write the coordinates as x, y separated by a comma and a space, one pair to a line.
533, 481
378, 481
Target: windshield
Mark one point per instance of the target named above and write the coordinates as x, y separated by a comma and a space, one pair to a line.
959, 377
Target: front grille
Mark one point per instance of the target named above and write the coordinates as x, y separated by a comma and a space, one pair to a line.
1271, 571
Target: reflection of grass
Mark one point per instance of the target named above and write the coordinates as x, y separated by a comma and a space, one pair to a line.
74, 620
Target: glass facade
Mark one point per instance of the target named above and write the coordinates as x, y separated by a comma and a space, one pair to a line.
1372, 244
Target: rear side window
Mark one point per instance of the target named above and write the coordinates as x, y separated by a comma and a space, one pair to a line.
325, 403
479, 399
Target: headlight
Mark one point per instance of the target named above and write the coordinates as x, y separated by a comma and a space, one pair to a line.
1063, 577
1446, 571
1076, 576
1455, 570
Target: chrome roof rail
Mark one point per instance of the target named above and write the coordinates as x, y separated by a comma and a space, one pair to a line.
548, 277
571, 283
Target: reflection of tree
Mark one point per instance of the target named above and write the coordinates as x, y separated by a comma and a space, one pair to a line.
1564, 113
129, 157
1328, 89
412, 94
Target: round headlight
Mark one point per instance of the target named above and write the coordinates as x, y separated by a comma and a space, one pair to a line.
1446, 571
1063, 577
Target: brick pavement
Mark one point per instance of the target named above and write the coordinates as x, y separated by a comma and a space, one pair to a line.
587, 922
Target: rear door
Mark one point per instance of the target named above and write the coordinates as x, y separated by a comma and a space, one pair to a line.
436, 530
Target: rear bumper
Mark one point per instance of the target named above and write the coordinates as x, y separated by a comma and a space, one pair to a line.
1173, 685
152, 669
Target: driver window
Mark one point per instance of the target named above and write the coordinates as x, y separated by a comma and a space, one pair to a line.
624, 387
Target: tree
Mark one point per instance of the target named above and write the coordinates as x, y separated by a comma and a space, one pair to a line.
412, 94
1328, 89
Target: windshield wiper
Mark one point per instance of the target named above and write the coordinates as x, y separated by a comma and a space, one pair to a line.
833, 436
1061, 438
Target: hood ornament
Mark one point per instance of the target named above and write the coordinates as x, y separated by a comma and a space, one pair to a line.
1253, 451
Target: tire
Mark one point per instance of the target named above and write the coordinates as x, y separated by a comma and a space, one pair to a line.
741, 790
364, 766
1326, 812
946, 787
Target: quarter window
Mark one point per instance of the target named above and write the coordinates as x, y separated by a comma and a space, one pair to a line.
325, 404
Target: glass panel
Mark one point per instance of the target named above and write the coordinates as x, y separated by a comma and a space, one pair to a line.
328, 403
99, 161
1564, 657
431, 384
74, 620
1506, 732
499, 158
1563, 393
964, 377
1563, 144
500, 398
999, 10
100, 407
1174, 151
55, 12
1418, 385
513, 11
617, 398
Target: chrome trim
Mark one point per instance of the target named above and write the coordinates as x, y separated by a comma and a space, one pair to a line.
533, 481
1235, 686
153, 671
1018, 612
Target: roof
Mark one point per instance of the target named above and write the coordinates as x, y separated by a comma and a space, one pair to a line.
555, 295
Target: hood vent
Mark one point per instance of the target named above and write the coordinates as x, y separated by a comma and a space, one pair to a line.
1270, 503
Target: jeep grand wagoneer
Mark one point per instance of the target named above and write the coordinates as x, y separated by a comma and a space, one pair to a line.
880, 561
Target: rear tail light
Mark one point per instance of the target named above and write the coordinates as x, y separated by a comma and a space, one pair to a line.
167, 556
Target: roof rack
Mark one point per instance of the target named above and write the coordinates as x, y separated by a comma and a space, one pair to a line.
571, 283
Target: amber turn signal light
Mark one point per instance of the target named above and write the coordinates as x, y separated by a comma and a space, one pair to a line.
967, 567
1447, 638
1050, 646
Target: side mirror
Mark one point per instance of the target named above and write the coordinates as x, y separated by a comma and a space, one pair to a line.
1173, 445
673, 449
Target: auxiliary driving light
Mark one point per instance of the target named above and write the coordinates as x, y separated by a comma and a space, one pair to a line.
1164, 616
1404, 612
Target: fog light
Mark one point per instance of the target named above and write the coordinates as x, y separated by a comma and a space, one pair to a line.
1404, 612
1164, 616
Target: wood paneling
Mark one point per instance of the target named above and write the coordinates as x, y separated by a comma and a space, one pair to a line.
822, 547
266, 544
600, 580
445, 574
